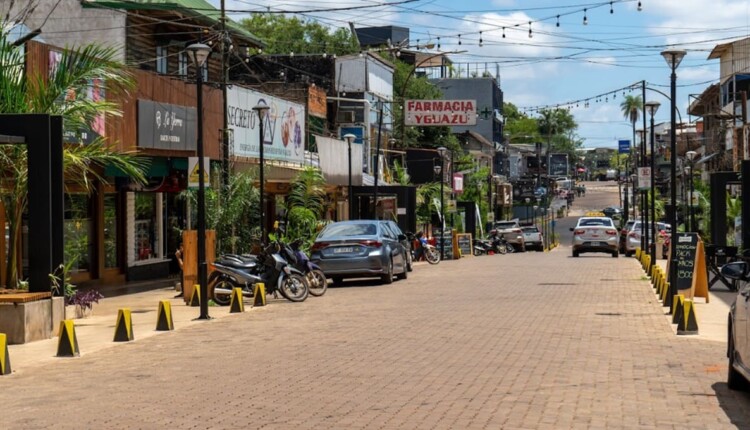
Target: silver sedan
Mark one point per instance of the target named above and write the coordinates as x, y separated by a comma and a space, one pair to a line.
595, 234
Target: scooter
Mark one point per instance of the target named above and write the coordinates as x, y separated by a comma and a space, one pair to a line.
316, 279
269, 267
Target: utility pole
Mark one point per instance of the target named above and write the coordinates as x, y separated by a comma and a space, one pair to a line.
225, 40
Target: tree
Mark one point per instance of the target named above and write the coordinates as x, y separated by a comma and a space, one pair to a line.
631, 108
283, 35
62, 93
305, 205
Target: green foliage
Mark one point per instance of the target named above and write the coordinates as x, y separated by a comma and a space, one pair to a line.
476, 190
307, 190
284, 34
63, 93
60, 281
631, 108
302, 223
400, 174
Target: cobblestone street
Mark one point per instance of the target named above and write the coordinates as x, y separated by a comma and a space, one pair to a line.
520, 341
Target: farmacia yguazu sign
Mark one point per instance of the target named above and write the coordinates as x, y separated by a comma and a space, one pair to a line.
440, 112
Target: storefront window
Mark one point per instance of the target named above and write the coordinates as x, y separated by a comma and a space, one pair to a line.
146, 242
78, 231
110, 230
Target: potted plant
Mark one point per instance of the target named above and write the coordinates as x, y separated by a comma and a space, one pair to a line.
84, 302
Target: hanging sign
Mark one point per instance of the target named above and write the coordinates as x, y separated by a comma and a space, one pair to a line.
644, 178
458, 183
623, 146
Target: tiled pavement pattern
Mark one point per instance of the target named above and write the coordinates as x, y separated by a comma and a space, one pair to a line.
520, 341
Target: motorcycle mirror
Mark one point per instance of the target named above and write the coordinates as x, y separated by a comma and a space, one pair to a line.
736, 270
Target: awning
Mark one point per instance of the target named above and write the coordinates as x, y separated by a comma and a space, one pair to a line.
708, 157
158, 167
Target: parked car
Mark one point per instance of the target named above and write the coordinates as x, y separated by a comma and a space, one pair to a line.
612, 212
738, 344
532, 238
595, 234
511, 232
361, 249
634, 233
624, 235
406, 243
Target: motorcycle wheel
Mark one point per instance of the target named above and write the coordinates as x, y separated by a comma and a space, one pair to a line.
432, 255
317, 282
223, 299
294, 288
502, 249
509, 248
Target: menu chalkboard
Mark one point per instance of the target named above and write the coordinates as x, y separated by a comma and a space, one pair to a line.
465, 244
685, 249
446, 240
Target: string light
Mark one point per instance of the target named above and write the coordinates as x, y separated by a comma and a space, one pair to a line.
503, 32
480, 39
459, 39
611, 9
438, 43
530, 35
585, 18
640, 6
558, 21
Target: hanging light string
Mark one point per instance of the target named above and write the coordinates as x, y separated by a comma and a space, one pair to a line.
583, 11
585, 102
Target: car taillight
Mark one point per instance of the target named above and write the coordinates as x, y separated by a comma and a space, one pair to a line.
372, 243
317, 246
635, 235
579, 232
518, 230
611, 232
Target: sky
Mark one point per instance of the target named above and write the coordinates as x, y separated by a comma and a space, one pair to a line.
618, 46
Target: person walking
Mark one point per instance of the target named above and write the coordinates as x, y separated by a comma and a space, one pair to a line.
178, 255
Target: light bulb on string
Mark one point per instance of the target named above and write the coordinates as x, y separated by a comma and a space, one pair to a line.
417, 43
459, 39
640, 6
585, 18
558, 21
530, 35
438, 43
480, 39
503, 32
611, 9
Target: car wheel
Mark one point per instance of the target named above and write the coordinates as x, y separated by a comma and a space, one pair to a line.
337, 281
403, 275
735, 380
387, 278
575, 254
409, 266
615, 254
628, 254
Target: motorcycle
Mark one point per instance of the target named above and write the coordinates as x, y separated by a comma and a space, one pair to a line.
499, 244
423, 249
316, 279
482, 247
269, 267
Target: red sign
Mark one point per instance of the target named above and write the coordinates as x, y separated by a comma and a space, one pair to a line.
440, 112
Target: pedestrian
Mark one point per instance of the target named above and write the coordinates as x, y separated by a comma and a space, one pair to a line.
178, 255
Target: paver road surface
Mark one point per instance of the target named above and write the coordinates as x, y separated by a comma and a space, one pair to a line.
517, 341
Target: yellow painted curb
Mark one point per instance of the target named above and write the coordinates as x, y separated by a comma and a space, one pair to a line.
4, 356
678, 303
195, 298
164, 318
237, 304
688, 323
124, 326
67, 345
259, 294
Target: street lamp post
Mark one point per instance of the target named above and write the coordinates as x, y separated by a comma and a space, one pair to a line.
651, 108
691, 159
644, 207
262, 111
441, 151
349, 138
527, 200
673, 57
199, 53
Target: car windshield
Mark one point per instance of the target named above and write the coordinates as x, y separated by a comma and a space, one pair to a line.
345, 229
593, 222
530, 230
503, 225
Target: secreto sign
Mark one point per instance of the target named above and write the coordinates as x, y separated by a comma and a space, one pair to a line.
440, 112
283, 126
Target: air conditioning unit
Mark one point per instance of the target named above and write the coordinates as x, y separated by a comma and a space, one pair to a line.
345, 117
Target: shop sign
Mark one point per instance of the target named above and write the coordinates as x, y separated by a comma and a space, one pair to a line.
283, 126
440, 112
166, 126
193, 176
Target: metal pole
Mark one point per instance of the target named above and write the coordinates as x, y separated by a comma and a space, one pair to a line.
202, 268
690, 199
377, 161
442, 211
652, 228
224, 80
644, 206
262, 181
349, 190
673, 185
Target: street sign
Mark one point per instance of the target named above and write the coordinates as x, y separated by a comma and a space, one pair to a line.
644, 178
623, 146
440, 112
193, 177
458, 183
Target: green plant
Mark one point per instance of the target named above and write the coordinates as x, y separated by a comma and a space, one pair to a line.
60, 281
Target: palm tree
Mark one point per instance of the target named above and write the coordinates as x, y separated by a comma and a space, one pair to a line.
307, 190
63, 93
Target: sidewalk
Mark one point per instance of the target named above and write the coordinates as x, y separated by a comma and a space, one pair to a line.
96, 332
711, 316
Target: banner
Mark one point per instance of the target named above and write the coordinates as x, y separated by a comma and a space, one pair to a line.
644, 178
440, 112
283, 126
